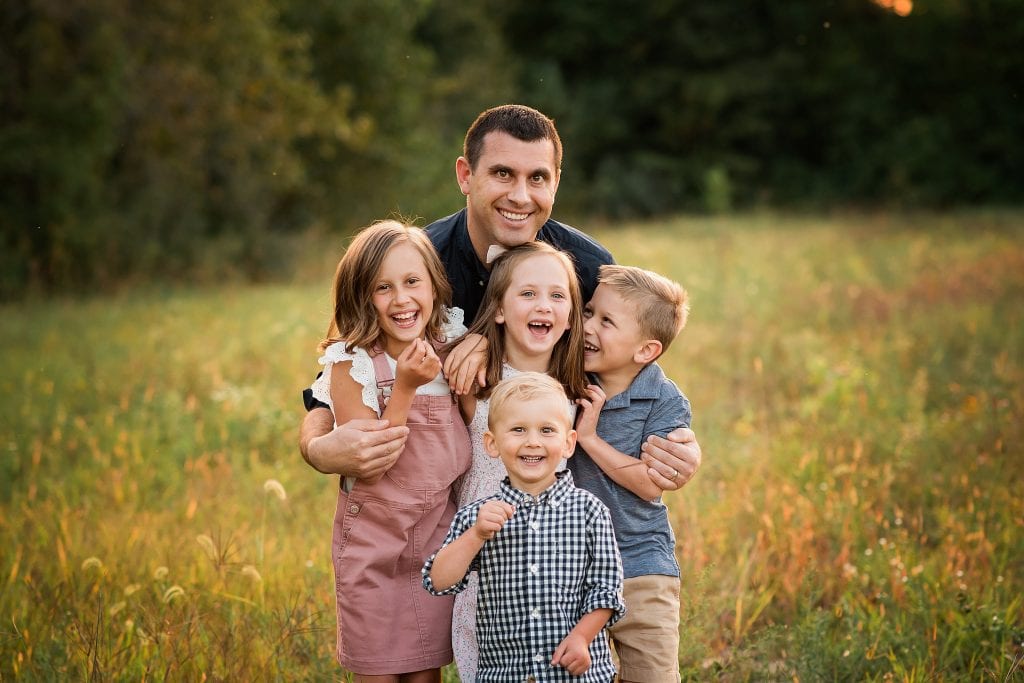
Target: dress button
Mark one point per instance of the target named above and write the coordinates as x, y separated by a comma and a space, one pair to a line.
353, 508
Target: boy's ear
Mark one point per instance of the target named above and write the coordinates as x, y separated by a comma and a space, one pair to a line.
490, 444
570, 443
648, 352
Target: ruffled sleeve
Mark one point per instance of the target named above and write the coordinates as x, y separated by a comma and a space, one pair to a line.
361, 371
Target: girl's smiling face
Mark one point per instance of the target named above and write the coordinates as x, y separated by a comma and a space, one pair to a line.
535, 311
403, 297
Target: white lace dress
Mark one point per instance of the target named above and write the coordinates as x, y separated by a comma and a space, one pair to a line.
483, 479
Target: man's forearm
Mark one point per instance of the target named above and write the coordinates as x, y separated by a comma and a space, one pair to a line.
318, 422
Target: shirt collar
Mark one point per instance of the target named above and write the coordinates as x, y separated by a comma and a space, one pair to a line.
646, 385
552, 495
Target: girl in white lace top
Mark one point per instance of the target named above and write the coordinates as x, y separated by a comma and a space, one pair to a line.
532, 319
379, 360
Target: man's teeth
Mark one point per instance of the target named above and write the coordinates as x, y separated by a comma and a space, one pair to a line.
514, 216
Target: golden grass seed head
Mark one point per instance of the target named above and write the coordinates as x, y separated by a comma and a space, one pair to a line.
92, 563
275, 487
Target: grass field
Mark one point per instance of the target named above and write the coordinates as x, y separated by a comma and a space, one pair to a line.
858, 390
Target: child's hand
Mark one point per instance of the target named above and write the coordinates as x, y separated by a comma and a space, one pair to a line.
417, 365
492, 516
572, 654
590, 409
466, 365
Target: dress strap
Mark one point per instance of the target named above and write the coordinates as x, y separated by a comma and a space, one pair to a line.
385, 378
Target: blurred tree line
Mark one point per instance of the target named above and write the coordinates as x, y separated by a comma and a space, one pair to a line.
170, 139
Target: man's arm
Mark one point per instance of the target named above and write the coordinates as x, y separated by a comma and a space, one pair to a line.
363, 449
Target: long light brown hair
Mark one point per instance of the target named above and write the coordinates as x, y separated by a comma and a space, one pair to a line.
566, 364
354, 320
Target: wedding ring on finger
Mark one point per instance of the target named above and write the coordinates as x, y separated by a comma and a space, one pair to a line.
675, 473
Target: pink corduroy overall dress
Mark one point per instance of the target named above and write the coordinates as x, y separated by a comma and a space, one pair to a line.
384, 532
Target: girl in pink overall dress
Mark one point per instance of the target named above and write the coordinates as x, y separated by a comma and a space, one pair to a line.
389, 296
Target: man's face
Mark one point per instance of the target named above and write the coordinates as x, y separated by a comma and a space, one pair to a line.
511, 191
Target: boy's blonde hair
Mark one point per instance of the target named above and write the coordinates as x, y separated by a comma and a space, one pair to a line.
661, 305
527, 386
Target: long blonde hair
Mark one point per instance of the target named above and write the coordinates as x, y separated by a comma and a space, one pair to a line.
566, 364
354, 320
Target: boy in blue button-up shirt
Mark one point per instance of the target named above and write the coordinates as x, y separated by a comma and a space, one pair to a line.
629, 322
550, 575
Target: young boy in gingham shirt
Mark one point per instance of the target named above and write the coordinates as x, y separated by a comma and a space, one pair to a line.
550, 574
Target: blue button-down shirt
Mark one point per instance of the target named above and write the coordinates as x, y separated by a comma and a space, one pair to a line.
552, 563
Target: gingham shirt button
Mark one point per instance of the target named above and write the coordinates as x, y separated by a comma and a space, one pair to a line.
534, 525
535, 613
538, 658
534, 568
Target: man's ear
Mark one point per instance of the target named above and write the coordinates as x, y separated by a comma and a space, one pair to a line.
490, 444
463, 171
648, 352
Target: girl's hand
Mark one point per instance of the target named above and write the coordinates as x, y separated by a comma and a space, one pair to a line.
466, 365
417, 365
492, 516
590, 409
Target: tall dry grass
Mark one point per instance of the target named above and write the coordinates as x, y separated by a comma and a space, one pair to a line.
857, 390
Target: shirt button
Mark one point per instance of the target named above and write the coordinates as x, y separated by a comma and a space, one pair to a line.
534, 568
554, 503
535, 613
353, 508
538, 658
480, 282
534, 525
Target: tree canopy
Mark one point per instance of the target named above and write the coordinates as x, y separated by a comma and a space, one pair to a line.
140, 139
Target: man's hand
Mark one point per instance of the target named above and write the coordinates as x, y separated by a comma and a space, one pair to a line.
491, 516
364, 449
466, 365
672, 461
572, 654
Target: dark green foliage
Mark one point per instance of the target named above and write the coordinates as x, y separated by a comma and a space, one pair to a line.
185, 140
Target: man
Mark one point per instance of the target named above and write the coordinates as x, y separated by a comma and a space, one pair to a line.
509, 173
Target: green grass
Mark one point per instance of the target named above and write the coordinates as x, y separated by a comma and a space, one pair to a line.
858, 390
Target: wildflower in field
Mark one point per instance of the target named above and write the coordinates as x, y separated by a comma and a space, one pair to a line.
160, 573
275, 487
92, 563
206, 543
131, 588
173, 592
252, 573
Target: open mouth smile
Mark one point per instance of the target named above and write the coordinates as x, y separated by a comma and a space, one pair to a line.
406, 320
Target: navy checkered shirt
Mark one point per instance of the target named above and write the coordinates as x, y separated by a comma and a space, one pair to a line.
553, 562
